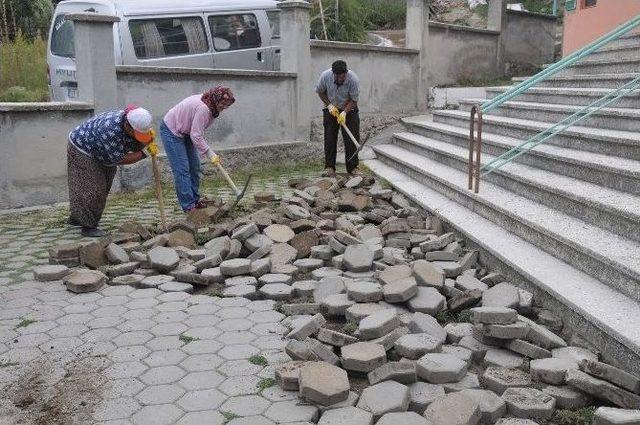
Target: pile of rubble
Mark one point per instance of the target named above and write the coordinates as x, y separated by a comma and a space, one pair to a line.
364, 277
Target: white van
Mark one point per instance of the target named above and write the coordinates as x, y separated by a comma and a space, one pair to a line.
240, 34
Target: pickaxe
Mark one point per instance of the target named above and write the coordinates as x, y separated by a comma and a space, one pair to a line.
239, 193
358, 146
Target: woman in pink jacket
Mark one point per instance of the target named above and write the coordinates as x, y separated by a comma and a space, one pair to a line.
182, 133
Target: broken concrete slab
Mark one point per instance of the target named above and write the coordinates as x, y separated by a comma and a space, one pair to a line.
494, 315
503, 358
394, 273
282, 253
611, 374
279, 233
424, 323
568, 397
235, 267
501, 295
116, 254
457, 331
163, 259
337, 339
47, 273
358, 258
328, 286
602, 389
336, 304
307, 327
422, 394
288, 374
551, 370
323, 383
82, 281
492, 407
613, 416
516, 330
469, 382
427, 274
402, 372
364, 291
322, 352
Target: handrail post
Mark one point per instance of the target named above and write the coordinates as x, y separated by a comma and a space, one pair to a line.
475, 144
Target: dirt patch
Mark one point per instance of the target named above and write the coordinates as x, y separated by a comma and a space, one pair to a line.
55, 391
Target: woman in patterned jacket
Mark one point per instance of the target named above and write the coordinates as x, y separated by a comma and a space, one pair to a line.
96, 147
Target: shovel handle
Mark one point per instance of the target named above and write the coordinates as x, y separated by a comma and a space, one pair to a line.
227, 178
159, 196
353, 139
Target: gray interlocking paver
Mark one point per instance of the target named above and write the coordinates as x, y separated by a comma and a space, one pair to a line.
102, 334
145, 313
129, 354
201, 320
125, 370
166, 329
291, 411
205, 417
162, 414
113, 300
198, 309
160, 394
164, 358
197, 400
247, 405
201, 380
116, 408
239, 351
60, 344
240, 385
236, 337
127, 387
235, 325
132, 338
110, 311
239, 368
170, 317
139, 303
209, 332
165, 343
172, 297
207, 346
200, 362
30, 340
142, 324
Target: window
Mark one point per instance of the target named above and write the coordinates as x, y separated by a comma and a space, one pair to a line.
570, 5
274, 22
234, 32
590, 3
156, 38
62, 38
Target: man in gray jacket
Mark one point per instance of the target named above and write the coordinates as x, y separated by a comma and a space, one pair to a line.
339, 89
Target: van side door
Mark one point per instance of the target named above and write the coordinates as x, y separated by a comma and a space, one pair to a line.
237, 41
176, 41
273, 18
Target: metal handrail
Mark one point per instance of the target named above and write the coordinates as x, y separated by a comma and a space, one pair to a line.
477, 111
581, 115
560, 65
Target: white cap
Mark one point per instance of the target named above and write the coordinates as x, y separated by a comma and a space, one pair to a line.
140, 120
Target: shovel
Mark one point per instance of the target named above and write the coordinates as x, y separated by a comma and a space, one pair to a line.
159, 196
239, 193
358, 146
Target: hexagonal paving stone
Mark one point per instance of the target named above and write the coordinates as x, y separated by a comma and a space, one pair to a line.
129, 354
291, 411
236, 337
248, 405
454, 408
197, 400
116, 408
347, 416
233, 312
384, 397
440, 368
201, 380
164, 358
323, 383
127, 387
205, 417
162, 375
160, 394
363, 356
235, 325
162, 414
199, 362
205, 346
240, 385
529, 403
237, 352
239, 368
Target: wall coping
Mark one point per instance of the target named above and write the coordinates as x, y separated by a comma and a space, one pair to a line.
463, 28
44, 106
92, 17
291, 4
136, 69
358, 46
532, 14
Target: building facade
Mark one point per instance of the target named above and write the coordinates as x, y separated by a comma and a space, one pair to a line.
586, 20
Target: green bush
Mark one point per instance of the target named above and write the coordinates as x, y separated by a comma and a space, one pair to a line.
21, 94
385, 14
23, 70
350, 25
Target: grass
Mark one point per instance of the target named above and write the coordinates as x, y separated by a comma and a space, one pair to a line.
187, 339
8, 364
445, 317
385, 14
258, 360
582, 416
349, 328
228, 416
265, 383
23, 70
24, 323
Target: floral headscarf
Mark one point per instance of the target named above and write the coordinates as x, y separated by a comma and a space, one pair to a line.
216, 95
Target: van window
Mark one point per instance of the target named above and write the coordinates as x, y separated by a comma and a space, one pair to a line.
274, 22
62, 38
155, 38
234, 32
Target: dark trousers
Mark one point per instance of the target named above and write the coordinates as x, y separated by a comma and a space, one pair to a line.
331, 129
89, 186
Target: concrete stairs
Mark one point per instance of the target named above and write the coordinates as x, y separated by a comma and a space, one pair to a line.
562, 220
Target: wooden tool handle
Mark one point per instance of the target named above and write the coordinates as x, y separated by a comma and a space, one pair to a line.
228, 179
158, 184
353, 139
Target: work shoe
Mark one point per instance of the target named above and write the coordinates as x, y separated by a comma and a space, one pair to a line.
356, 172
329, 172
91, 232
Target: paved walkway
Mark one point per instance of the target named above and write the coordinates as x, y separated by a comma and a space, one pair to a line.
123, 355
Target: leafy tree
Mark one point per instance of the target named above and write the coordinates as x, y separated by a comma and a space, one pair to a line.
29, 17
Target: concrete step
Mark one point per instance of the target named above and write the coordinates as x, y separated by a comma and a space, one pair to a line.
629, 49
613, 210
631, 39
568, 96
622, 144
626, 119
597, 312
601, 81
603, 66
606, 256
